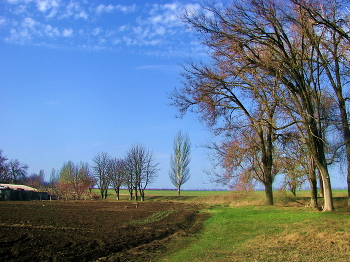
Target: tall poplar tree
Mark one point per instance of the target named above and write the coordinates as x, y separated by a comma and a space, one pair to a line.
179, 162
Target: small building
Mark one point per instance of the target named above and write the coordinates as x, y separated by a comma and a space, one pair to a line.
21, 193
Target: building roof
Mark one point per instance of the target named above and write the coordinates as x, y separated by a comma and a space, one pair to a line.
17, 187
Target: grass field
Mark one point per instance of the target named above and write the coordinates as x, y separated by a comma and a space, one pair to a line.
258, 233
241, 228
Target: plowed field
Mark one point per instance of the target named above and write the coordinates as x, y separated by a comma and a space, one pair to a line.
89, 230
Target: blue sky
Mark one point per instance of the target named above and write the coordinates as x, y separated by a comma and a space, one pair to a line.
82, 77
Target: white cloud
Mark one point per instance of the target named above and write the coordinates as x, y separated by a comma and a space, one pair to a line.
28, 22
51, 31
87, 24
130, 8
3, 21
20, 37
110, 8
73, 9
67, 32
172, 7
82, 14
96, 31
45, 5
104, 9
149, 66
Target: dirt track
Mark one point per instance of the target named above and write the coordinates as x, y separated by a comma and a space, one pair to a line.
88, 230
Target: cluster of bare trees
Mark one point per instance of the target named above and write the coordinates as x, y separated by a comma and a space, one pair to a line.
135, 171
275, 88
73, 181
12, 171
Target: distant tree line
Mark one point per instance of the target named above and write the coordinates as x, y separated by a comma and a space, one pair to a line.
135, 171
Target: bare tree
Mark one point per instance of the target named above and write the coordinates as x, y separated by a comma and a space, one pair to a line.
234, 103
100, 167
141, 168
179, 162
3, 167
117, 171
16, 172
75, 180
266, 37
328, 32
37, 180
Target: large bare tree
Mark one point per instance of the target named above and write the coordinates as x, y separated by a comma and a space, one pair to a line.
117, 172
16, 172
237, 104
141, 169
75, 180
179, 162
327, 28
100, 167
3, 167
266, 37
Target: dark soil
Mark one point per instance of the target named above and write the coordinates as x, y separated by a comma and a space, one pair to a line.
90, 230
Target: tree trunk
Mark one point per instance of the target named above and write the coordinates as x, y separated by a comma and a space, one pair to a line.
130, 194
321, 193
328, 198
313, 193
313, 182
268, 193
346, 134
136, 194
178, 191
293, 190
117, 192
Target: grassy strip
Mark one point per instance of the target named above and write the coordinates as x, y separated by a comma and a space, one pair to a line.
195, 193
258, 233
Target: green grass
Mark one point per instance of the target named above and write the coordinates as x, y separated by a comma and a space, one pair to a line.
259, 233
165, 195
241, 228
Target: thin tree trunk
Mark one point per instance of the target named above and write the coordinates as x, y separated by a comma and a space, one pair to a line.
136, 194
117, 192
346, 135
321, 193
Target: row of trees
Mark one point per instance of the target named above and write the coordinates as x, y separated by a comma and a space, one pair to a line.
135, 171
275, 88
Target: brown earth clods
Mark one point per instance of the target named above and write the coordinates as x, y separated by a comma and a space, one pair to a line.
90, 230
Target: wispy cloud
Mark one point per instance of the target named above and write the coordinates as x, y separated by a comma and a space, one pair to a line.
91, 26
110, 8
149, 67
